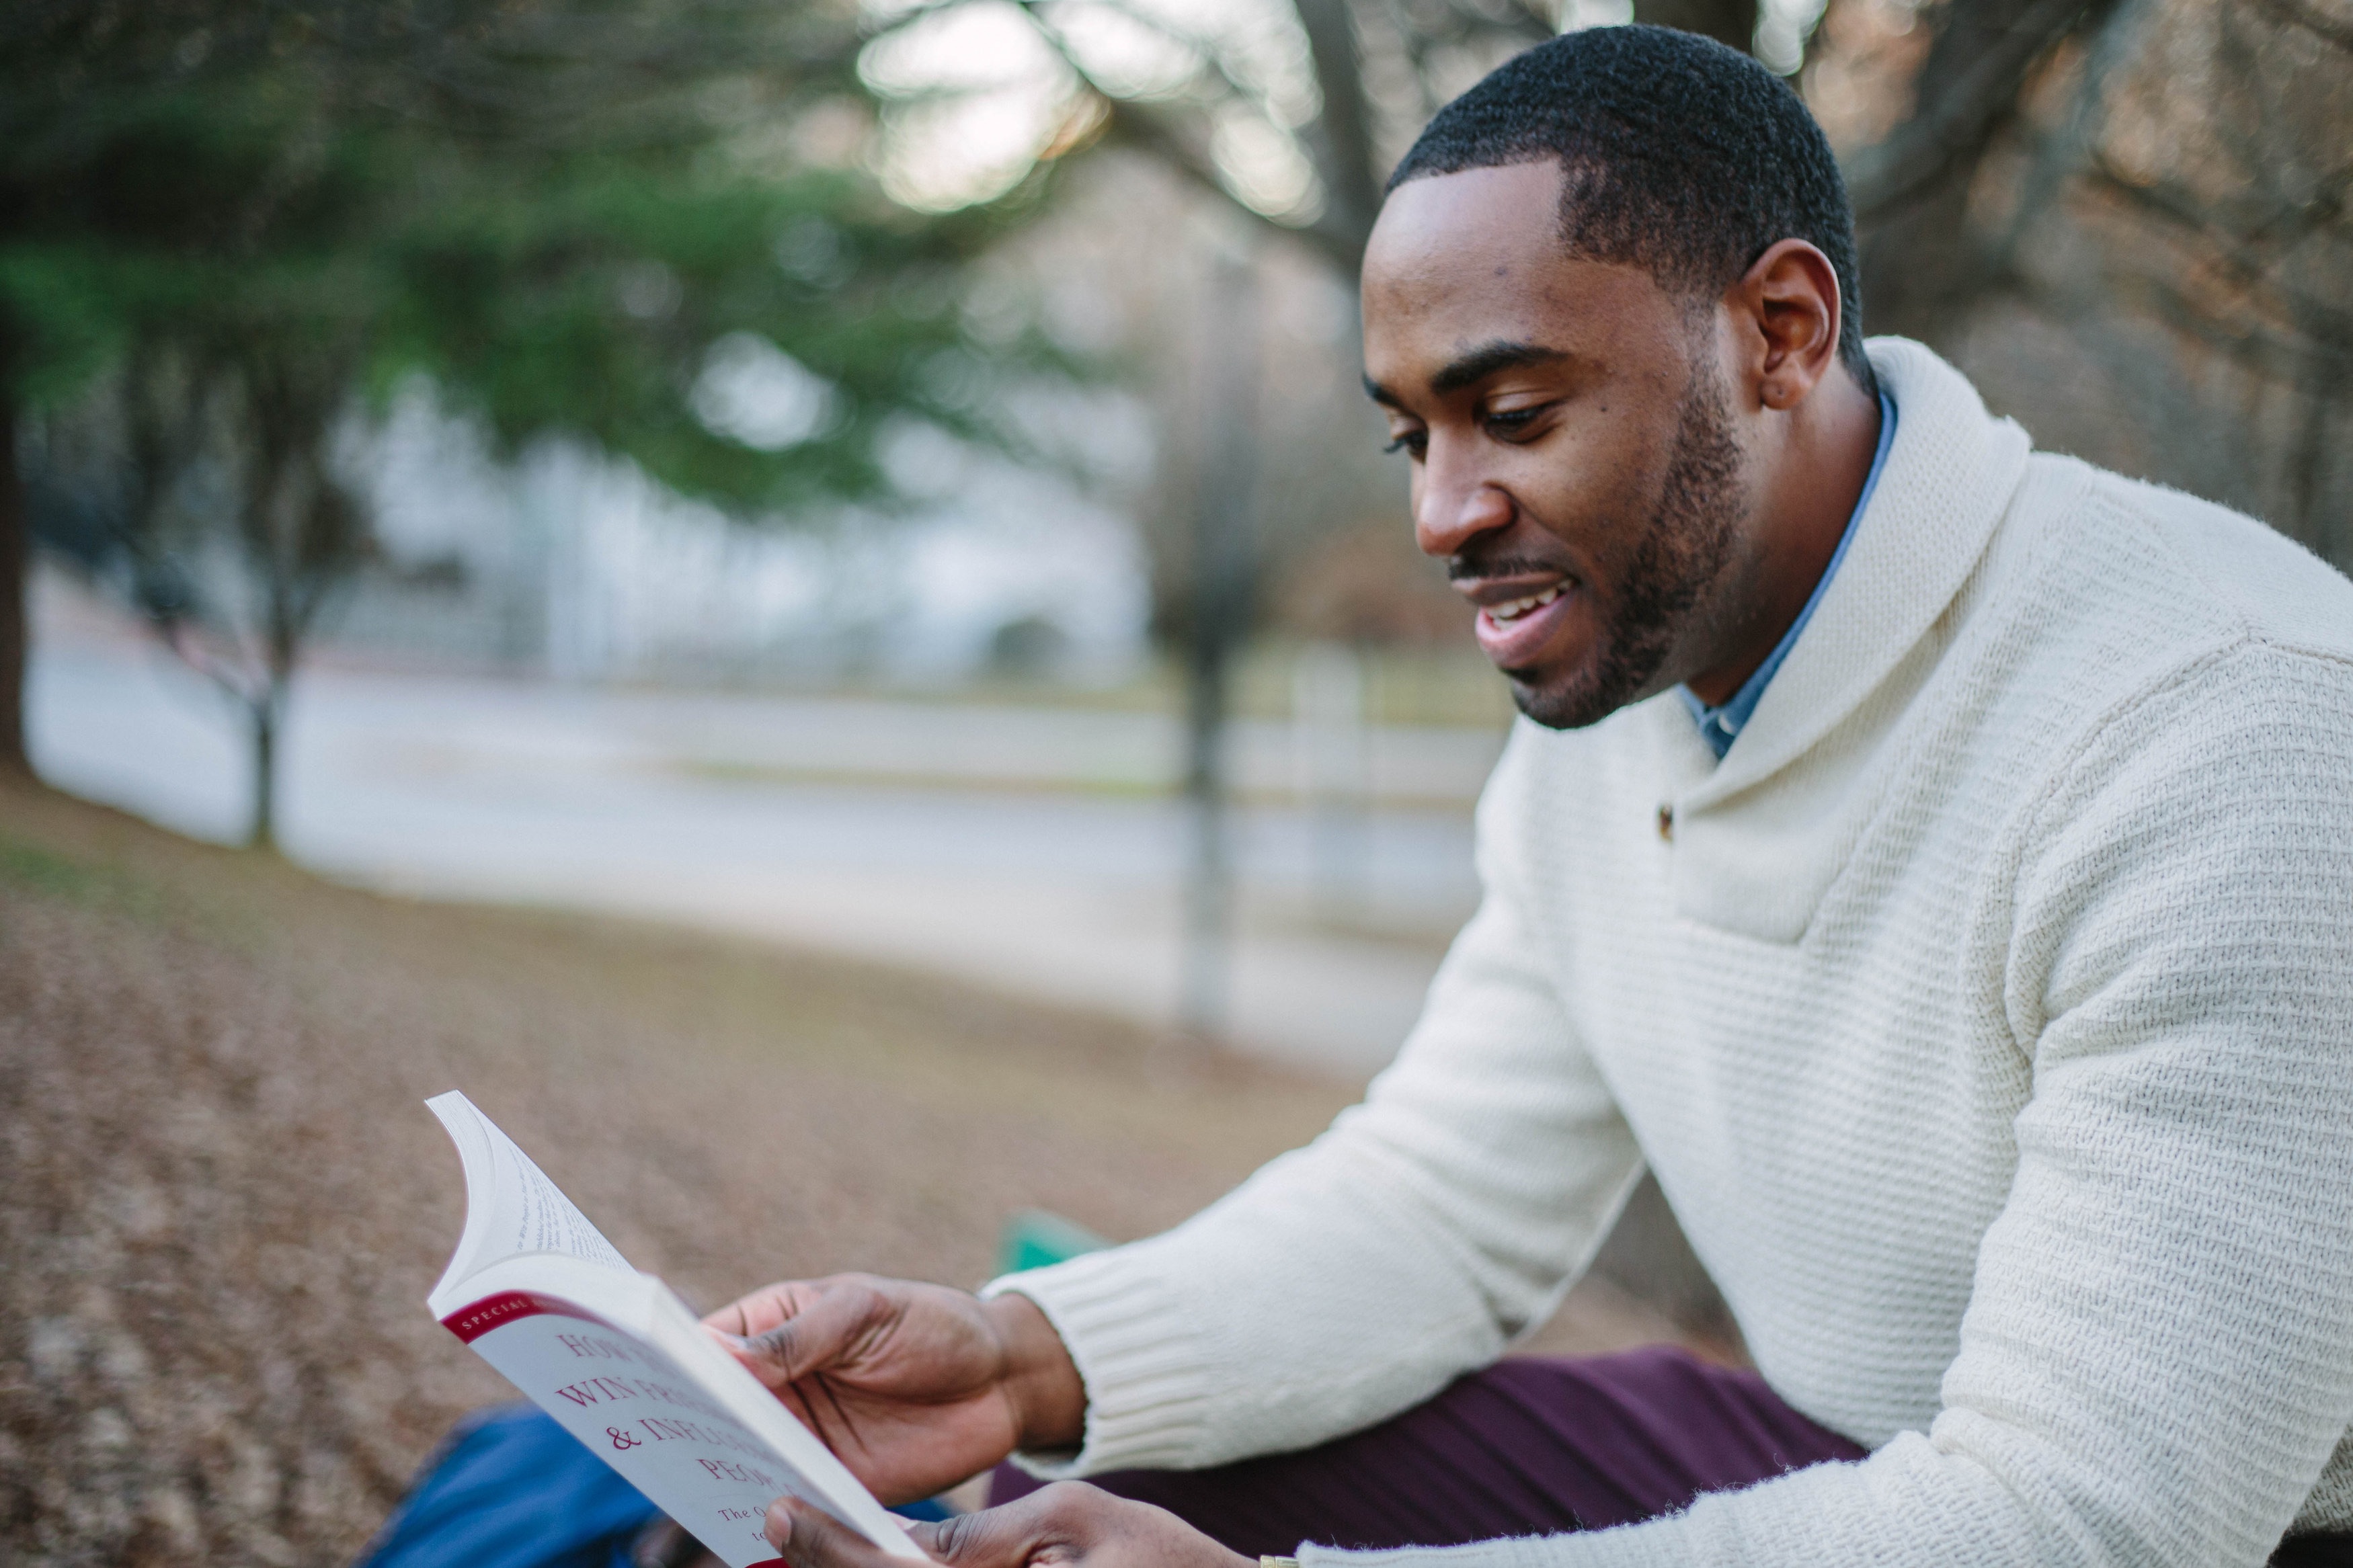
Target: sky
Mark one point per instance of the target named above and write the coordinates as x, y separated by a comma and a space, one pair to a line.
980, 89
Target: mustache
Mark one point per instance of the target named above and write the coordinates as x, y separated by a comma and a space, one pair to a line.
1477, 563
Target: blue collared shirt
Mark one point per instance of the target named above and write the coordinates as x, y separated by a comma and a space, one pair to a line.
1717, 726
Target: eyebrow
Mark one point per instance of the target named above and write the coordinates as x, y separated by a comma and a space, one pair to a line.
1476, 366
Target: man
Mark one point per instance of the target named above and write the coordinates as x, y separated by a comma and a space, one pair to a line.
1933, 859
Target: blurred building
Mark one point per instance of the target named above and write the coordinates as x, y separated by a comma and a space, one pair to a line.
570, 563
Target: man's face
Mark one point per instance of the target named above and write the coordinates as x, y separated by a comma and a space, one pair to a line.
1573, 462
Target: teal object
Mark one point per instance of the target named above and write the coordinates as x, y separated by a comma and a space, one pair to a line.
1034, 1238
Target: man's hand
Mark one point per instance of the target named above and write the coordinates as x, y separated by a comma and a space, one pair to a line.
1066, 1525
916, 1387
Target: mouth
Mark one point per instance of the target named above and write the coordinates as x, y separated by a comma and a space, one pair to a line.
1513, 609
1517, 621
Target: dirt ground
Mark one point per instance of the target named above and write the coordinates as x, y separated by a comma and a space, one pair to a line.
222, 1204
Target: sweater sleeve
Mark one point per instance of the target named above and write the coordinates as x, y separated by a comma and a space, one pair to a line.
2156, 1359
1355, 1277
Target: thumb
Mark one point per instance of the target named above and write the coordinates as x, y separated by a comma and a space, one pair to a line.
806, 1536
992, 1538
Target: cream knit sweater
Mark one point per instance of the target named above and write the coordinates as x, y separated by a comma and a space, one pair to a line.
1988, 1019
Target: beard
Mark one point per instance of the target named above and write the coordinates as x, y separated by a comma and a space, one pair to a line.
1683, 553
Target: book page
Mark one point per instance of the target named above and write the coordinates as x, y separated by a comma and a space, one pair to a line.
545, 1220
510, 1205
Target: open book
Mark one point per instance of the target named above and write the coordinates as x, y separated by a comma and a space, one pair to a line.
622, 1364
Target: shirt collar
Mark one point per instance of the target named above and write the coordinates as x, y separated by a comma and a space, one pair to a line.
1719, 725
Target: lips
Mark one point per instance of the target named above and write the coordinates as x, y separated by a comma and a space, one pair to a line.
1514, 632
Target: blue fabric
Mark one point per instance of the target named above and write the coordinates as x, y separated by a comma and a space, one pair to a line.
510, 1489
1717, 726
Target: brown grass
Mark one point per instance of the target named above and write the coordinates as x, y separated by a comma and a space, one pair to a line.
225, 1204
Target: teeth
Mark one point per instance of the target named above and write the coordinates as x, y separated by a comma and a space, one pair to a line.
1518, 607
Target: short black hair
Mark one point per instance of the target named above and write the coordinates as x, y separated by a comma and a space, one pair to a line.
1682, 156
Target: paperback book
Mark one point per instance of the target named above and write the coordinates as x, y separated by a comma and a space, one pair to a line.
623, 1365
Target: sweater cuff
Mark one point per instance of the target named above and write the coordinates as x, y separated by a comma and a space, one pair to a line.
1137, 1356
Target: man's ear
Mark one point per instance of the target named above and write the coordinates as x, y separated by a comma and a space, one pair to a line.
1787, 308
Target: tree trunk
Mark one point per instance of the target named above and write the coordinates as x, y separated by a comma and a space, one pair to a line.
1924, 267
1351, 167
1224, 558
15, 553
267, 713
1732, 22
1204, 983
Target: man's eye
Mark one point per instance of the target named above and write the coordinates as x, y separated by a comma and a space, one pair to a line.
1409, 441
1512, 421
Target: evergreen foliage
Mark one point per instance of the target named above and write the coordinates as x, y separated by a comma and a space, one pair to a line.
225, 227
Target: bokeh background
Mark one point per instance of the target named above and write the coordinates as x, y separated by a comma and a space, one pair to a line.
801, 598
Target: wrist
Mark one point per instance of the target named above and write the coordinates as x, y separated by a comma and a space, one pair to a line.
1041, 1383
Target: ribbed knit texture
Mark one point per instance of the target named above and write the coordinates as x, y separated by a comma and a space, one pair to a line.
1987, 1020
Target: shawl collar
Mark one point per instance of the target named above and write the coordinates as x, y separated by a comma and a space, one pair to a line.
1949, 478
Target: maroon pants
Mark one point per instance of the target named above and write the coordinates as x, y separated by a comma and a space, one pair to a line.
1526, 1447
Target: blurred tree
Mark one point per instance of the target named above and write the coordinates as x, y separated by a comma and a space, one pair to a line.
1230, 115
2128, 219
237, 223
2175, 260
1290, 117
1911, 186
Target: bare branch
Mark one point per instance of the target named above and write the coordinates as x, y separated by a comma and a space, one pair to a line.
1139, 126
2282, 227
1203, 48
2316, 357
2304, 15
1522, 20
2330, 326
1963, 116
171, 631
1343, 129
2057, 157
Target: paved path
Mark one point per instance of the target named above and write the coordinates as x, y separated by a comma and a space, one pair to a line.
1018, 846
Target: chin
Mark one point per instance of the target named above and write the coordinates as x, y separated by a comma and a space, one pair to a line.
1587, 692
1559, 704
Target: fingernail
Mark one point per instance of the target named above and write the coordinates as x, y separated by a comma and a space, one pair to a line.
779, 1523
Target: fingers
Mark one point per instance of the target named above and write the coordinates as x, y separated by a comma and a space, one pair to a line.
820, 1335
788, 1332
1061, 1522
762, 1309
1069, 1523
1006, 1537
1073, 1525
1011, 1537
807, 1536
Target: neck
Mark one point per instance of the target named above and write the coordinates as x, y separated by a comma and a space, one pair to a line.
1817, 472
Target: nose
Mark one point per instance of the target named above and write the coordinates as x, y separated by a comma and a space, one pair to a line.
1452, 506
